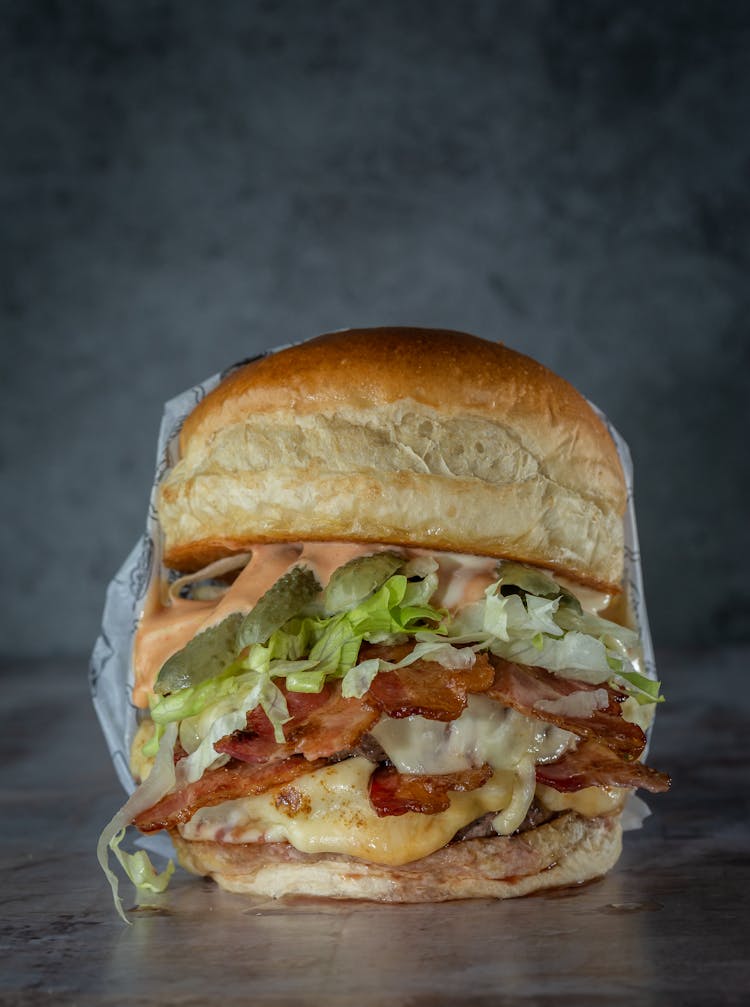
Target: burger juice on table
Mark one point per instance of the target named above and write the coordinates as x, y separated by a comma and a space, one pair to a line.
389, 656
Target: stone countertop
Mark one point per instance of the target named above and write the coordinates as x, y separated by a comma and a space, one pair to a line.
668, 925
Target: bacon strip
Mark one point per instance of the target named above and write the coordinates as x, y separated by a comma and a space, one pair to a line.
299, 704
394, 793
595, 765
248, 747
522, 688
322, 725
331, 725
325, 724
335, 727
235, 779
425, 688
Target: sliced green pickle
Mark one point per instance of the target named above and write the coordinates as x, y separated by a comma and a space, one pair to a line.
281, 602
204, 656
356, 580
535, 582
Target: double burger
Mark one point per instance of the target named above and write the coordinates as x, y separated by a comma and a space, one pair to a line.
389, 655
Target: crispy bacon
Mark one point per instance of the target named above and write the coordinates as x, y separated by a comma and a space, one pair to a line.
335, 727
248, 747
322, 725
299, 704
595, 765
425, 688
235, 779
522, 688
317, 729
325, 725
394, 793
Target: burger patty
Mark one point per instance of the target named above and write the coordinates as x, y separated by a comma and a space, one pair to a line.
481, 828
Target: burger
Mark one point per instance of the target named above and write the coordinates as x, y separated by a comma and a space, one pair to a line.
389, 655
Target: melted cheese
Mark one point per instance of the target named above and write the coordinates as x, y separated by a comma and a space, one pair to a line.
485, 732
329, 811
575, 704
523, 794
589, 802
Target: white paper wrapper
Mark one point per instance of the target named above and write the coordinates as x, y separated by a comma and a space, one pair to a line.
111, 671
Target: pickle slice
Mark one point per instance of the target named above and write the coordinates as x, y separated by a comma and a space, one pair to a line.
204, 656
281, 602
356, 580
535, 582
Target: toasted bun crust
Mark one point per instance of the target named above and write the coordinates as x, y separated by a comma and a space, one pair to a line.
566, 851
419, 437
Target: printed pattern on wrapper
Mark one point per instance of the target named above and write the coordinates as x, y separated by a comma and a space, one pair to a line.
111, 674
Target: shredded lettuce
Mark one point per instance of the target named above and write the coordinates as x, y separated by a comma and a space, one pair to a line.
305, 652
551, 633
224, 711
159, 782
575, 654
219, 705
359, 678
151, 747
139, 868
229, 714
644, 690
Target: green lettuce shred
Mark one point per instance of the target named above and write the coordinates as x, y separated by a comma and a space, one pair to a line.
140, 870
645, 690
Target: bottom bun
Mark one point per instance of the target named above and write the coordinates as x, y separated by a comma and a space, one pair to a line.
568, 850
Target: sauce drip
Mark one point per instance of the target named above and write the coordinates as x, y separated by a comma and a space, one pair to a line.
168, 623
166, 628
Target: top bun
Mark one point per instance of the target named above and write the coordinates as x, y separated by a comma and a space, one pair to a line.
419, 437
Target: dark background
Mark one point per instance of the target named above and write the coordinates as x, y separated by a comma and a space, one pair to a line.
185, 184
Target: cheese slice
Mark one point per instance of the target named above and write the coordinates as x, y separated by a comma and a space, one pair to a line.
329, 811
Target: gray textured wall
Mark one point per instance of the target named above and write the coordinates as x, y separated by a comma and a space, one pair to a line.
187, 183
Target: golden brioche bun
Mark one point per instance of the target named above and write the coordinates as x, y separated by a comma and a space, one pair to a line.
418, 437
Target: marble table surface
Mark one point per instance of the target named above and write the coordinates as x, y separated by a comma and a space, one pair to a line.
670, 924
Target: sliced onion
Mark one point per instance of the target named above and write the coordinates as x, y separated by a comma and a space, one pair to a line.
218, 568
